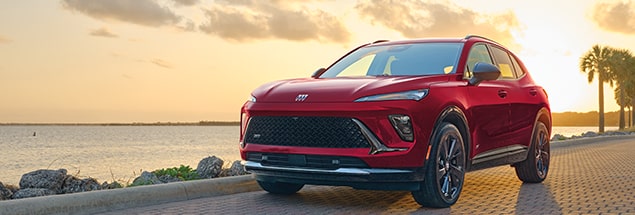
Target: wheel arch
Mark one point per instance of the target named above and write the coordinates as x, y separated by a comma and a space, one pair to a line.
544, 116
454, 115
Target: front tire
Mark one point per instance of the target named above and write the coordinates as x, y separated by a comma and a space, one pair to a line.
445, 169
534, 169
280, 188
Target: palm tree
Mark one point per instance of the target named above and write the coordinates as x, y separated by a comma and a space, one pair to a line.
596, 62
621, 72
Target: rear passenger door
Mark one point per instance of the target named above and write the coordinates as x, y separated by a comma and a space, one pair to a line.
521, 117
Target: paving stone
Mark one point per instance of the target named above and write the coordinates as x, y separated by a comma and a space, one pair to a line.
590, 178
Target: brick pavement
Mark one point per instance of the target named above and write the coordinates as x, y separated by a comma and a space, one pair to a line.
594, 178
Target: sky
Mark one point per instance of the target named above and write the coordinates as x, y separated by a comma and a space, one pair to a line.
97, 61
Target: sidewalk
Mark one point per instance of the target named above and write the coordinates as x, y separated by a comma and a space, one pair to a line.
117, 199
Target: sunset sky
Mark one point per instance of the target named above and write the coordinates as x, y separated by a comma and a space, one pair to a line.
95, 61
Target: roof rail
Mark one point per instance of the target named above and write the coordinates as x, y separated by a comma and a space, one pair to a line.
477, 36
379, 41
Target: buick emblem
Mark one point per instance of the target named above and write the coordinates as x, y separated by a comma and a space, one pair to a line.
301, 97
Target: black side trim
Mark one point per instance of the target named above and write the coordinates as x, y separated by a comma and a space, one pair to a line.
497, 157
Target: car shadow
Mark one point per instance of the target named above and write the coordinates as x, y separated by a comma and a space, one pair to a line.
536, 198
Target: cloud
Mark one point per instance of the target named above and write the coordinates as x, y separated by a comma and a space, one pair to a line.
141, 12
414, 19
615, 16
4, 39
246, 20
161, 63
103, 32
185, 2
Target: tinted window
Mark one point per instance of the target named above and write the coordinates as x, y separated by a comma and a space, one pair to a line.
478, 53
519, 71
504, 63
398, 60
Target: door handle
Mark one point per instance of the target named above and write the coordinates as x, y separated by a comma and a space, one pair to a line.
502, 93
533, 92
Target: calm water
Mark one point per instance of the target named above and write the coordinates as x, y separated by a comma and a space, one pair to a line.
110, 153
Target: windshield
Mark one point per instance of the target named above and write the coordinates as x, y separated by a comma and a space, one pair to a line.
398, 60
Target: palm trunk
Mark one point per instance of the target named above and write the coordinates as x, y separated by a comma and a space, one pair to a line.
601, 102
621, 92
630, 119
632, 112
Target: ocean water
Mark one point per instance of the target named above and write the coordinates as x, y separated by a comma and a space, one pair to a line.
569, 131
121, 153
110, 153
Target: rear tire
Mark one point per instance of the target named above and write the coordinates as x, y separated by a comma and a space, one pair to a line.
445, 169
280, 188
534, 169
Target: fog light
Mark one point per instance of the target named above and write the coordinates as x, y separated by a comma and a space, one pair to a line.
403, 126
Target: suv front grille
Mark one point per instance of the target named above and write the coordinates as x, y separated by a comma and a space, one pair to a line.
323, 132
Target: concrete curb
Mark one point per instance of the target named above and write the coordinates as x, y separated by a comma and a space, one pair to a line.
116, 199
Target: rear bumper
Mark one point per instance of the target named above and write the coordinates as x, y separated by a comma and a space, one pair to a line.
358, 178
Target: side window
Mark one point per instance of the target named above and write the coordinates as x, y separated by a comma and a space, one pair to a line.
504, 63
519, 71
478, 53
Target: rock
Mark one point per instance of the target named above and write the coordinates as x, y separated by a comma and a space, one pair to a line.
146, 178
209, 167
589, 134
557, 137
169, 179
5, 193
44, 178
73, 184
113, 185
33, 192
621, 133
236, 169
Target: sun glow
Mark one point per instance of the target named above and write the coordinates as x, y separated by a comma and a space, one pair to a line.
64, 62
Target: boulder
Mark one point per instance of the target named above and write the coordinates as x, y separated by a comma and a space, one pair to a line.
169, 179
32, 192
113, 185
73, 184
146, 178
5, 193
236, 169
47, 179
209, 167
589, 134
557, 137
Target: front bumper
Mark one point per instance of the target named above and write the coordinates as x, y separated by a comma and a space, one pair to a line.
358, 178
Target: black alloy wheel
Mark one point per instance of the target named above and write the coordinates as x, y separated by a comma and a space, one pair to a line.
535, 168
445, 169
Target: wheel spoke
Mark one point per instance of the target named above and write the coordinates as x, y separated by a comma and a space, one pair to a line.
446, 185
450, 152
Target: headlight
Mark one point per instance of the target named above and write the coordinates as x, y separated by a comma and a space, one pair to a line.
406, 95
252, 98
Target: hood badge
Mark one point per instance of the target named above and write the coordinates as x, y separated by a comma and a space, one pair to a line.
301, 97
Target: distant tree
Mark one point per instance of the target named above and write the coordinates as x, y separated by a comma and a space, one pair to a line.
621, 72
596, 62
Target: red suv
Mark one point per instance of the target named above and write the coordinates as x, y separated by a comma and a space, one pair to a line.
405, 115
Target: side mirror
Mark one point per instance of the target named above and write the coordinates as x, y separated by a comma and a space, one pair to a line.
484, 72
318, 72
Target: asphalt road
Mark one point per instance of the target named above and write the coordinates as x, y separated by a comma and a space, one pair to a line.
585, 178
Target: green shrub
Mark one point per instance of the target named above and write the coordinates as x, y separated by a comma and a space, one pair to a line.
184, 173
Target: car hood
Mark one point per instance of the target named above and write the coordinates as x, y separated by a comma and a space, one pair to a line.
340, 89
